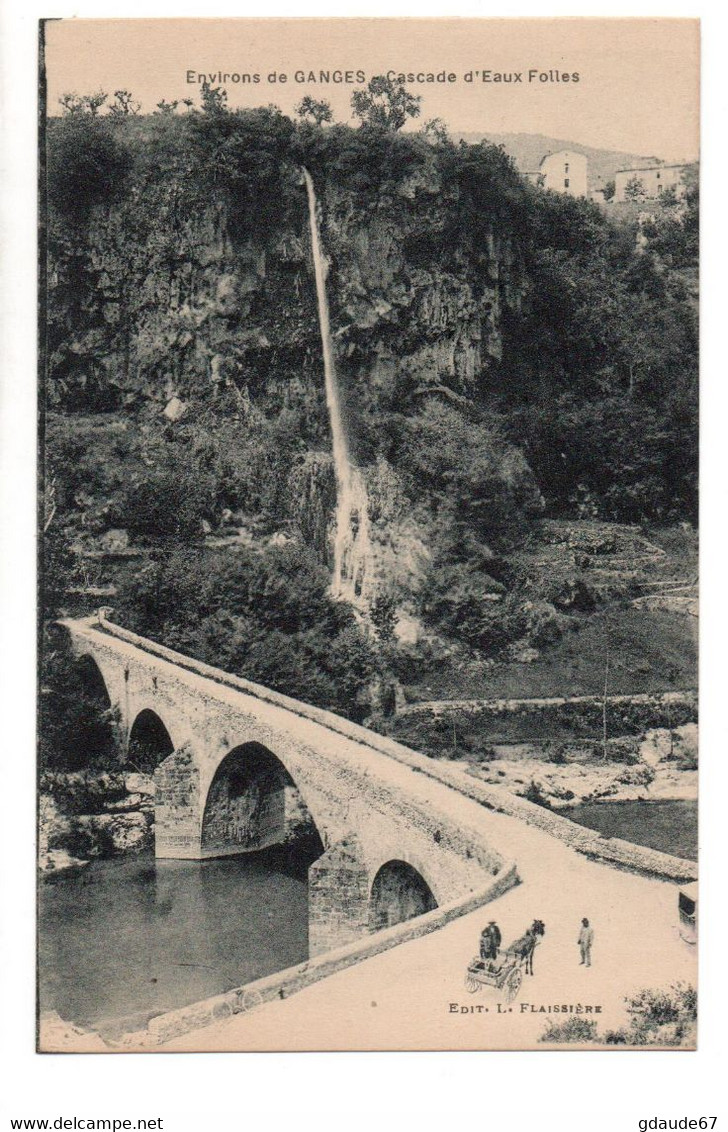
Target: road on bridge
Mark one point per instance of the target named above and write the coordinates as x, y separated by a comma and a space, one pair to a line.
404, 998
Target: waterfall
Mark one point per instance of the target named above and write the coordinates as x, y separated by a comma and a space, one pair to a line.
352, 550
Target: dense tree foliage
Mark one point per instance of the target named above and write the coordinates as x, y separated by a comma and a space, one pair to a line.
266, 615
87, 164
314, 110
601, 365
474, 474
673, 230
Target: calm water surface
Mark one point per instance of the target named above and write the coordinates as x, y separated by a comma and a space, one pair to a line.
671, 827
130, 937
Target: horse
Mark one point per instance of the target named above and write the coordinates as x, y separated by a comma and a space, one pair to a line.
524, 947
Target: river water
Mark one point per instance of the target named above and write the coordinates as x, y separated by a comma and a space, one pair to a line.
129, 937
670, 826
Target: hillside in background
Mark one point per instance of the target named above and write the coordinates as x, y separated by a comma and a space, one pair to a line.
507, 358
528, 149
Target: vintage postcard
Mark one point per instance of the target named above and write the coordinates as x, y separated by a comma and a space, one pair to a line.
368, 696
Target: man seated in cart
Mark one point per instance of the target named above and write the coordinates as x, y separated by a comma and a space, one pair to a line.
490, 941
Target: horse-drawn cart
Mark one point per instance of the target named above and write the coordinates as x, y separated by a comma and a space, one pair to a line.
504, 973
504, 969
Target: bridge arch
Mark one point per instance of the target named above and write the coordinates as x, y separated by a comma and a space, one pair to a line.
92, 730
91, 679
150, 742
252, 803
398, 892
95, 671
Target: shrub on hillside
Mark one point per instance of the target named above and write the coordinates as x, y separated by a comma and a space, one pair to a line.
454, 735
169, 503
659, 1017
470, 469
87, 164
458, 601
573, 1030
267, 616
534, 793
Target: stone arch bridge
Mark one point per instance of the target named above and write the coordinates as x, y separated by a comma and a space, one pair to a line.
241, 768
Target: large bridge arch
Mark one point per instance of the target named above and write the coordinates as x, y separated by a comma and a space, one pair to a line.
253, 802
267, 743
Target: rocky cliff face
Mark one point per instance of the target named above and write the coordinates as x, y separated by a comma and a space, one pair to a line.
408, 302
156, 296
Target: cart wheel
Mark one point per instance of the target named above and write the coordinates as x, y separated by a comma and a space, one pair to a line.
513, 984
471, 985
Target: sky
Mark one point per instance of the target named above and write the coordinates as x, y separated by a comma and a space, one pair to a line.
637, 89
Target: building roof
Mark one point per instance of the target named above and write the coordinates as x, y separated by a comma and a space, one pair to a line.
652, 168
559, 152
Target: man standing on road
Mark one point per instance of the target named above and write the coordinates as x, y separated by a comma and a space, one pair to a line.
585, 941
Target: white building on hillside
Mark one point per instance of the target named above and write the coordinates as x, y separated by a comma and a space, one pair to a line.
564, 172
649, 182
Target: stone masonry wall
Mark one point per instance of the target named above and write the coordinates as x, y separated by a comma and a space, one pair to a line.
338, 899
177, 806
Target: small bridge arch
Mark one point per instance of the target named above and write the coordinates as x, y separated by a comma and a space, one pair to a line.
91, 680
150, 742
399, 892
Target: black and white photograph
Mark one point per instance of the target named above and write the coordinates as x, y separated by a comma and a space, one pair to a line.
368, 529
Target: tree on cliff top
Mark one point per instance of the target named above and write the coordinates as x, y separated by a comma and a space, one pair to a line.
124, 103
312, 110
385, 103
213, 99
634, 189
87, 163
89, 104
435, 130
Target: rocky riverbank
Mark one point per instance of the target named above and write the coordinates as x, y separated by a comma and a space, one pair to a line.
659, 766
84, 815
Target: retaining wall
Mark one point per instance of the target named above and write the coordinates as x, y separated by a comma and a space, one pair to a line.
580, 716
